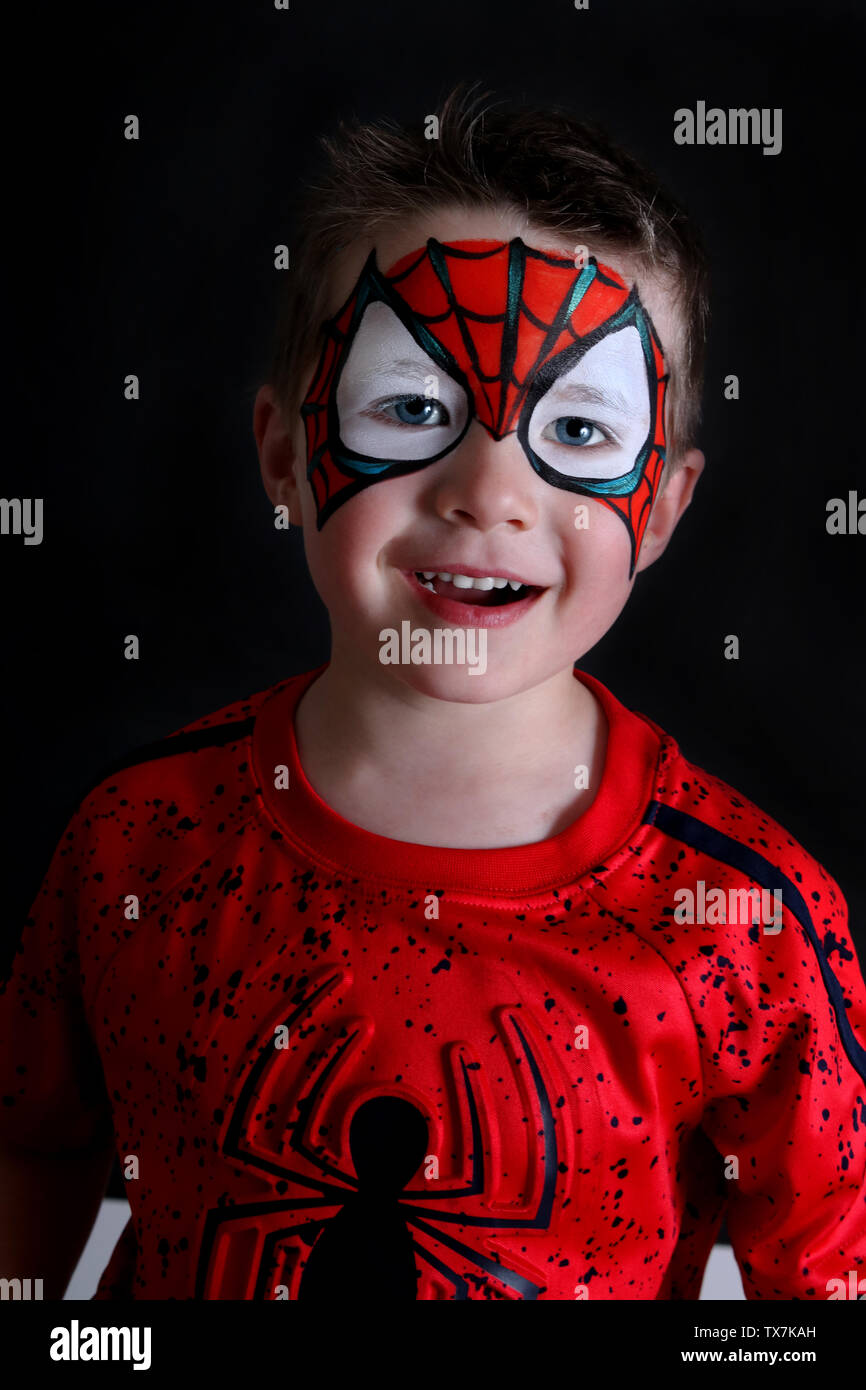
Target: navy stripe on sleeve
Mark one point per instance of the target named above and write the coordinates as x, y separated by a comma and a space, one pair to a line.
690, 831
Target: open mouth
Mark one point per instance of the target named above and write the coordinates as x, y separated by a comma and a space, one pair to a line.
490, 591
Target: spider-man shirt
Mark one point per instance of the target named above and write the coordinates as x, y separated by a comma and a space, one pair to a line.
337, 1065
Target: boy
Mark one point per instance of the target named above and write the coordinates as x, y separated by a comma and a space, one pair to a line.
395, 983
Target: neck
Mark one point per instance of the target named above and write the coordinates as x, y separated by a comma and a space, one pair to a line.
413, 767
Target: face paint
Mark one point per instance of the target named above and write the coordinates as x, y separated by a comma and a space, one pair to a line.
515, 338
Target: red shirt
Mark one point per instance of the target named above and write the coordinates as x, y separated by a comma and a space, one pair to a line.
344, 1064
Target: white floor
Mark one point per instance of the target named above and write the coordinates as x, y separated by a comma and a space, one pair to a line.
721, 1280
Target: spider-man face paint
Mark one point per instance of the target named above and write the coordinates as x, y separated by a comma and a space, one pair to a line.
518, 339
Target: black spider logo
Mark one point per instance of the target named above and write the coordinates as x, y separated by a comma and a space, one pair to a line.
373, 1230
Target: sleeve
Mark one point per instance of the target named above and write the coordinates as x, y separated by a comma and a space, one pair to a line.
787, 1064
52, 1090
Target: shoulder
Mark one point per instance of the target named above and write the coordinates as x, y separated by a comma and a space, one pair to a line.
754, 927
160, 809
732, 899
181, 764
220, 728
698, 810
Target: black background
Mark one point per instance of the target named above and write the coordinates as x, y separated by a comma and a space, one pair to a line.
156, 258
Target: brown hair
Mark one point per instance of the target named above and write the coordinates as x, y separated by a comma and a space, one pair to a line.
565, 175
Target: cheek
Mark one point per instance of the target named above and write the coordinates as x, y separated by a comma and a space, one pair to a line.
596, 533
598, 553
343, 555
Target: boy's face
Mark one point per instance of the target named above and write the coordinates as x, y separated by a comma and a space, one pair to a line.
487, 412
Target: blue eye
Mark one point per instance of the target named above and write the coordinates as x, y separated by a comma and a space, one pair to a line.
572, 429
413, 410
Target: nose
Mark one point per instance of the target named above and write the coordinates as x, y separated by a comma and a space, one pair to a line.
486, 482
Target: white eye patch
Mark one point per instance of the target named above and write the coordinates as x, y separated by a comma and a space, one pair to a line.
393, 401
594, 419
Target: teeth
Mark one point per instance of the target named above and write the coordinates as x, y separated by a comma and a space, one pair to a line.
466, 581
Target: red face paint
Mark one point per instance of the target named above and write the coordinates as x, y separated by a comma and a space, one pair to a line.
518, 339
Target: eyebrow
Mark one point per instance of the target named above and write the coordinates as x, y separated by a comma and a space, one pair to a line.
412, 366
581, 393
574, 393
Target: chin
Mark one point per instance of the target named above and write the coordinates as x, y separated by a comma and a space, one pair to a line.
463, 686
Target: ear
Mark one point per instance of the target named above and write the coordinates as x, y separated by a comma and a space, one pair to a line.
669, 507
278, 454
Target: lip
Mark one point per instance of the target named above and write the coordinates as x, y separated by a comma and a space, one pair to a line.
472, 614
